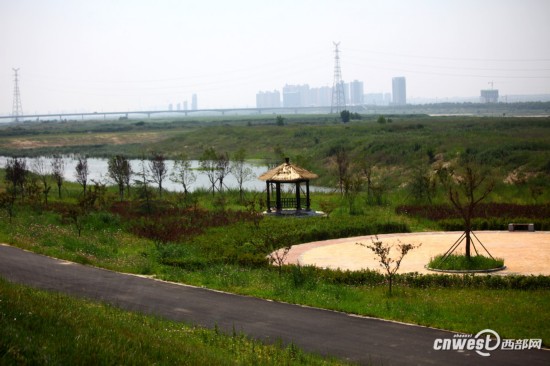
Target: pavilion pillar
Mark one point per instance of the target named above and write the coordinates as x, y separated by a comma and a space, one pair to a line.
298, 205
308, 203
268, 198
278, 196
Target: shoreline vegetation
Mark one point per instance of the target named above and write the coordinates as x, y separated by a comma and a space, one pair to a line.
217, 238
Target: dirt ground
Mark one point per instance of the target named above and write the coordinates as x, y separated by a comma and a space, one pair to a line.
523, 252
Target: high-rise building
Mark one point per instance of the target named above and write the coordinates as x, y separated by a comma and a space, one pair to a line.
320, 97
489, 96
194, 103
356, 92
295, 95
268, 99
399, 90
374, 98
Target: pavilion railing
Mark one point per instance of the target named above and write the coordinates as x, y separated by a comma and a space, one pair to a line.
290, 202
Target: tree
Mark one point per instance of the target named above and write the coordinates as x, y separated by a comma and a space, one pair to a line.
353, 185
16, 174
382, 254
143, 183
222, 168
422, 186
120, 171
345, 115
239, 169
81, 172
366, 166
158, 169
42, 170
182, 173
58, 171
341, 163
280, 121
7, 202
208, 163
467, 185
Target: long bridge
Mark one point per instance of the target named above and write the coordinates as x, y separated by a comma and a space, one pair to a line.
149, 113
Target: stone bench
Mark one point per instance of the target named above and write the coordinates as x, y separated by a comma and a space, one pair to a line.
521, 227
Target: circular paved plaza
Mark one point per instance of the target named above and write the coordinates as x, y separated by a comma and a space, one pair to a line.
523, 252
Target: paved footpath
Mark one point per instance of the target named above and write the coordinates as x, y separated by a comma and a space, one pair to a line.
359, 339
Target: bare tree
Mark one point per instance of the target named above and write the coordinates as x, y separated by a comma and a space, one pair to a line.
81, 171
42, 170
353, 186
366, 166
239, 169
158, 169
382, 254
58, 170
467, 185
222, 168
143, 183
120, 171
341, 163
208, 163
183, 174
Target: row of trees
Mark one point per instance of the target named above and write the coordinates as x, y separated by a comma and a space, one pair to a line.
153, 170
465, 183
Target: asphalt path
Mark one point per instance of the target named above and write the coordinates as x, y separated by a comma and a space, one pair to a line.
359, 339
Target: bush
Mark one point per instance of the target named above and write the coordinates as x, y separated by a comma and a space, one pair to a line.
461, 262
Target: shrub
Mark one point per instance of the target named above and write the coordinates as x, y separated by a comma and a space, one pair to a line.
461, 262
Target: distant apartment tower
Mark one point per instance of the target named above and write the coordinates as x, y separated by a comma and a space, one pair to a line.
320, 97
399, 90
194, 103
295, 95
374, 98
268, 99
489, 96
356, 92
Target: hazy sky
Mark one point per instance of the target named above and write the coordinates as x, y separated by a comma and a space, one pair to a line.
102, 55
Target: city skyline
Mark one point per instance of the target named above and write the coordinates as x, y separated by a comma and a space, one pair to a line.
134, 55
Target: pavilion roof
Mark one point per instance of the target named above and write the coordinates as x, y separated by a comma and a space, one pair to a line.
287, 172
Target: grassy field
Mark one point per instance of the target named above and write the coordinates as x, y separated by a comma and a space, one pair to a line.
218, 242
37, 327
508, 145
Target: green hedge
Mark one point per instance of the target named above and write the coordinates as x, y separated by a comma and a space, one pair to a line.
493, 224
374, 278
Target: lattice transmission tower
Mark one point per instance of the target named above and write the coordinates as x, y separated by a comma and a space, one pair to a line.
17, 107
338, 96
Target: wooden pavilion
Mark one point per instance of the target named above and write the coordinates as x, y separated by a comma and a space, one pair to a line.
287, 173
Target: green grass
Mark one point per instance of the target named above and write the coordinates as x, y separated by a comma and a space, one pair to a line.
512, 313
461, 262
502, 144
38, 327
211, 260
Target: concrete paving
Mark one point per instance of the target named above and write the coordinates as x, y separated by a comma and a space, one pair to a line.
526, 253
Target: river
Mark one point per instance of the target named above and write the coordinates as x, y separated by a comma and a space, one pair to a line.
98, 168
